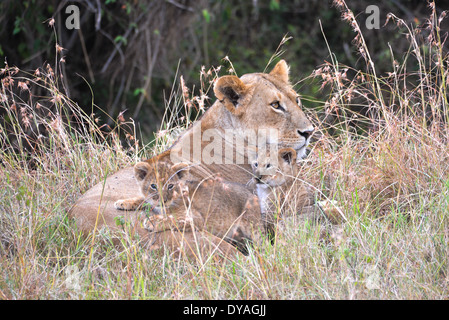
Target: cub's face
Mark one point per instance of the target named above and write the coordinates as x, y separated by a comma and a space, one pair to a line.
275, 171
160, 182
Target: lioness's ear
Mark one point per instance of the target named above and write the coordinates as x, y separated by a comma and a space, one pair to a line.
141, 170
181, 169
230, 90
281, 71
288, 155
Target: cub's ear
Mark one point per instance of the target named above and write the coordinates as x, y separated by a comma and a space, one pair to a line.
181, 169
288, 155
141, 170
280, 71
231, 91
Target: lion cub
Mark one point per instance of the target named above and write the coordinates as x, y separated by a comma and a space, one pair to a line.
280, 192
157, 181
225, 209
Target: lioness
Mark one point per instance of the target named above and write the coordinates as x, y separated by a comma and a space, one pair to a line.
245, 106
255, 109
226, 209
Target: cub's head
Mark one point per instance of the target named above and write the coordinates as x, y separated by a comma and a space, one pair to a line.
160, 181
275, 171
266, 101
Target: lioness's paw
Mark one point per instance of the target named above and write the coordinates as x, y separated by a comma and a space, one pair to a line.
332, 210
120, 205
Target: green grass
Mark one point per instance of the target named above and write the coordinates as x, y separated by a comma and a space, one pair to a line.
387, 170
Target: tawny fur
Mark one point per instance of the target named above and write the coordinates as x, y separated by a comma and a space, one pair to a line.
243, 103
280, 191
225, 209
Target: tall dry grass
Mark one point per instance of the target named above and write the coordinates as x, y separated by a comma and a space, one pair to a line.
380, 152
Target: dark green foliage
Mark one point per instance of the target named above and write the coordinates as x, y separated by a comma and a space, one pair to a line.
131, 52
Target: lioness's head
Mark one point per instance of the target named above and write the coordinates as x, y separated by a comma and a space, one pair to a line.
274, 172
266, 101
160, 181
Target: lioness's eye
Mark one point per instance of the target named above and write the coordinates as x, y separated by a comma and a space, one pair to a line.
298, 101
276, 105
170, 186
153, 186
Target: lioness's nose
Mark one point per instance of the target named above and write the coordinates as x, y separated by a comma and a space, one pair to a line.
306, 133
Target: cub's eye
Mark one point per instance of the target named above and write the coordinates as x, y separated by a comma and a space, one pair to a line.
298, 101
277, 106
153, 186
268, 165
255, 164
170, 186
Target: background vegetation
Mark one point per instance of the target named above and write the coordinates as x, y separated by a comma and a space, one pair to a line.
128, 54
379, 99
